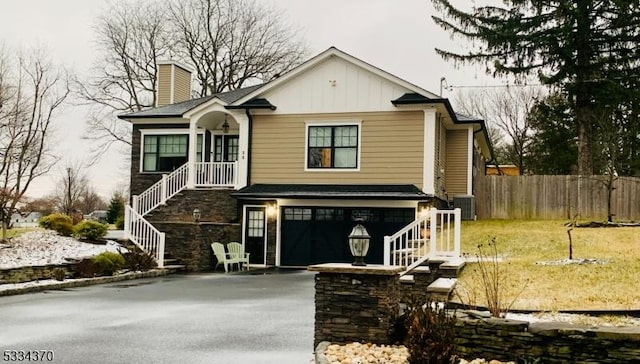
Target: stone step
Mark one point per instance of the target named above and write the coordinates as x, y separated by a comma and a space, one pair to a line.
442, 285
407, 279
174, 268
451, 268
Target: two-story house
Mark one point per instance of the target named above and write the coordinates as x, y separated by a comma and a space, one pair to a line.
289, 166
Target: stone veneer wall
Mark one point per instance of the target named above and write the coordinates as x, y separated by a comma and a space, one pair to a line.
355, 307
272, 229
422, 278
217, 206
190, 243
33, 273
547, 342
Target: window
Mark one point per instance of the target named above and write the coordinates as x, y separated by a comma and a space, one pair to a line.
165, 153
323, 214
297, 214
255, 224
332, 147
225, 148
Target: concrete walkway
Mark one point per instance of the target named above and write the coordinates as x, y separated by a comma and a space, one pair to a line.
200, 318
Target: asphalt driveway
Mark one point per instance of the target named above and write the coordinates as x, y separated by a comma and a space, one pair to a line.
200, 318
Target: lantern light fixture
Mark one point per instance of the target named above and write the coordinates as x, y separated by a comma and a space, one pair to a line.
359, 244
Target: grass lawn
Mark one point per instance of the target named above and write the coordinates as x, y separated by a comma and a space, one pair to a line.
521, 244
16, 231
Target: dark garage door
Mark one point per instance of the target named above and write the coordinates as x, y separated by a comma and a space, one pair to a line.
313, 235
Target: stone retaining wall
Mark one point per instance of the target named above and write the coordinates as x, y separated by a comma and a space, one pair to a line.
27, 274
547, 342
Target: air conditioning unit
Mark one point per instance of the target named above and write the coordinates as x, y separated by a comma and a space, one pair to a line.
467, 205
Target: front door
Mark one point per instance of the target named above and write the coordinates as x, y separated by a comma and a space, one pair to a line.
255, 234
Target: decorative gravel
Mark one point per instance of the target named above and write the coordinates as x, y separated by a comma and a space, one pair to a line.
46, 247
356, 353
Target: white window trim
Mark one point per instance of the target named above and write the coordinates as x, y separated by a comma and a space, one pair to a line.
146, 132
308, 123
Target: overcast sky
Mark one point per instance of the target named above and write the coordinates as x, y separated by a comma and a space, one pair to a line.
397, 36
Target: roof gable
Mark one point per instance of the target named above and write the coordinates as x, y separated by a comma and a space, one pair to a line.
334, 81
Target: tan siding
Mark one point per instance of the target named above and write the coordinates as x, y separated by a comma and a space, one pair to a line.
439, 163
457, 160
164, 84
182, 85
391, 150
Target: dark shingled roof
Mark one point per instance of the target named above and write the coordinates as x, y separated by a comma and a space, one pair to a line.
178, 109
381, 192
414, 98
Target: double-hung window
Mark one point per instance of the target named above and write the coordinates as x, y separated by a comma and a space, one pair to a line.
166, 152
332, 146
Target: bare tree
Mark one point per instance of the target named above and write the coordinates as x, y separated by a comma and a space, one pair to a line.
71, 186
234, 43
508, 109
91, 201
229, 43
32, 92
131, 38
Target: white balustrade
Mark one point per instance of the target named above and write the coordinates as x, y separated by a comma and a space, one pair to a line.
436, 234
144, 235
216, 174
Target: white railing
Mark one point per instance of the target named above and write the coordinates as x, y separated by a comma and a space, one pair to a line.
216, 174
408, 244
436, 234
144, 235
161, 191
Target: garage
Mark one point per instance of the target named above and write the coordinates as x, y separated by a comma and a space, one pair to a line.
313, 235
313, 221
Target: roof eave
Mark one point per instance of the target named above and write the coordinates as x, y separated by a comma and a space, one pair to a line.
426, 101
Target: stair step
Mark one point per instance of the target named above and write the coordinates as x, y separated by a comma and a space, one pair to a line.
442, 285
407, 279
175, 267
454, 263
452, 267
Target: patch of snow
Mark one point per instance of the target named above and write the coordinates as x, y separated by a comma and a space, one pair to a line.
42, 282
574, 319
46, 247
571, 261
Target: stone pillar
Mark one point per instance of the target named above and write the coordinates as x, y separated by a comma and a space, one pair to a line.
356, 303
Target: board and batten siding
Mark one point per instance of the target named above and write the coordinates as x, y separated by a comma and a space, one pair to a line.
391, 151
457, 162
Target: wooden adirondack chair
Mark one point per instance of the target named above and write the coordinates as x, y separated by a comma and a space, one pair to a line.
222, 256
237, 254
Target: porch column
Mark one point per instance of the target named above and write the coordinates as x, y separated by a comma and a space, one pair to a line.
243, 148
193, 141
428, 178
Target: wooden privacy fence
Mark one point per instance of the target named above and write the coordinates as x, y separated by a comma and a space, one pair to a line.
555, 197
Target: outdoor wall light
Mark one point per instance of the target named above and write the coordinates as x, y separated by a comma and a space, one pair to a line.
359, 244
196, 215
225, 125
272, 209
